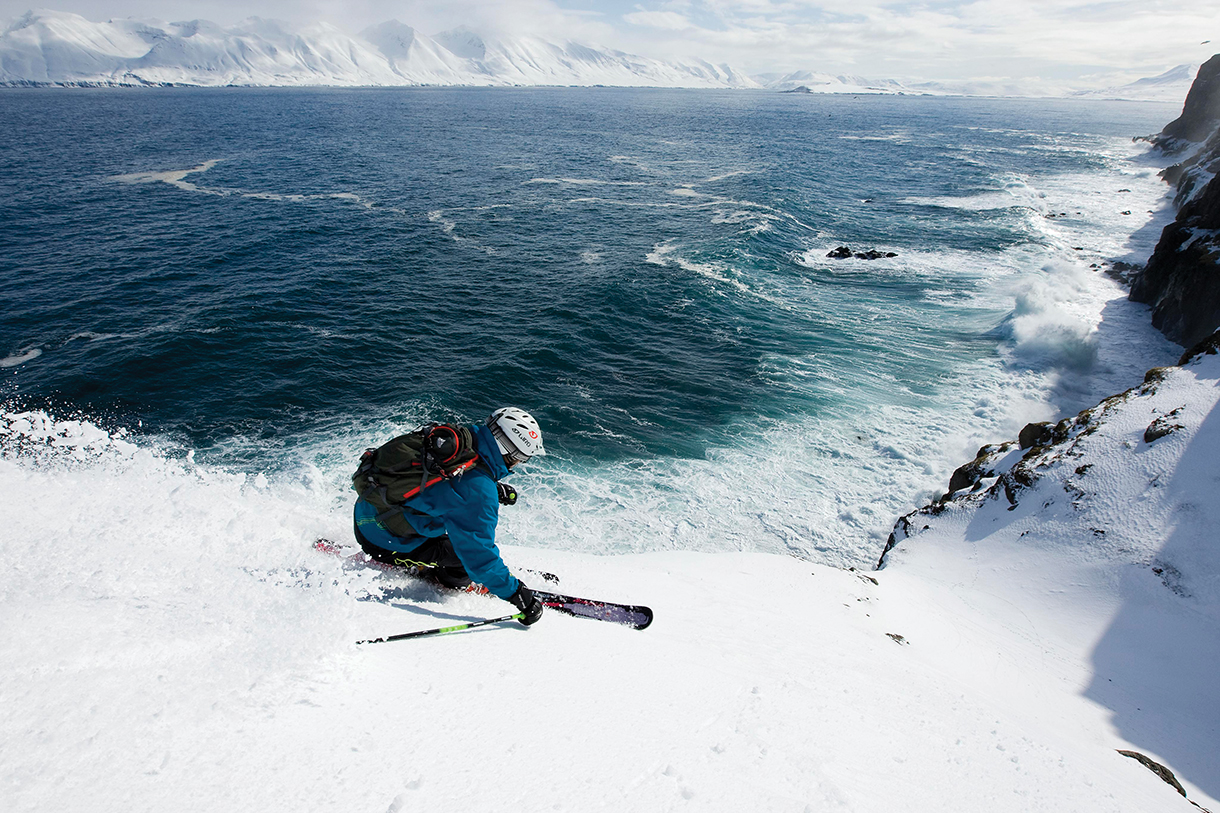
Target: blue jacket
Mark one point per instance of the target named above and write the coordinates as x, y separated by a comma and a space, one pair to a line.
466, 507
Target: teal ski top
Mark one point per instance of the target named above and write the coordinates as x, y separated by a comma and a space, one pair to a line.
467, 508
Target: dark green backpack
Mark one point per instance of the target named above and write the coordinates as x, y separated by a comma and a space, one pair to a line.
401, 468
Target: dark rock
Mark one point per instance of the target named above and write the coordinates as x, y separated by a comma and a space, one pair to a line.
969, 475
1022, 475
1123, 272
1182, 279
1162, 426
1157, 374
1043, 433
1010, 489
1157, 768
1035, 434
1209, 346
1201, 112
843, 253
965, 476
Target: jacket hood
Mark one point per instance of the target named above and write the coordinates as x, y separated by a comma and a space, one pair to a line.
489, 451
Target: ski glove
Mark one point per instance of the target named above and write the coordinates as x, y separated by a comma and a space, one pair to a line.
528, 603
507, 494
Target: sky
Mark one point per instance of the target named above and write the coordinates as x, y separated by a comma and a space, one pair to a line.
1052, 40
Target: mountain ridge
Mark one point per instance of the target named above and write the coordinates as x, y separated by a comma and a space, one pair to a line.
54, 48
61, 48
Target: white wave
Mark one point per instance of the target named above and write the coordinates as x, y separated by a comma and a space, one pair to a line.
585, 182
179, 325
726, 175
1014, 192
666, 253
21, 357
176, 179
447, 225
757, 222
892, 138
660, 253
1051, 323
645, 204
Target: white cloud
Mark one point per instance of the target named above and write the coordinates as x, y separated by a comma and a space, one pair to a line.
1053, 39
658, 19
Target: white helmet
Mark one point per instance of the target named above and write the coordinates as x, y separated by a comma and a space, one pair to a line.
517, 433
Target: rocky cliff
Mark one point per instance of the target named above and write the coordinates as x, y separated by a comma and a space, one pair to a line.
1005, 472
1182, 278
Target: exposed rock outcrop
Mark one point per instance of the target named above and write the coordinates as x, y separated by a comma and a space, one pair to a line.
1200, 113
1004, 471
845, 253
1182, 278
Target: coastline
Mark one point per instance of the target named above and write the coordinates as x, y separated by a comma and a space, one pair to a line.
1180, 280
1105, 520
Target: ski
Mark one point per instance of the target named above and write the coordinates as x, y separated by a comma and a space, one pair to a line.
631, 615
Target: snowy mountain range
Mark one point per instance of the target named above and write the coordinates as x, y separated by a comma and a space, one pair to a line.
59, 48
49, 47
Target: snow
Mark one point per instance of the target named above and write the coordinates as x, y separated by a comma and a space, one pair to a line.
51, 47
172, 642
61, 48
1169, 86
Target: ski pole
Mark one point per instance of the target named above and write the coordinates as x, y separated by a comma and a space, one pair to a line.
443, 630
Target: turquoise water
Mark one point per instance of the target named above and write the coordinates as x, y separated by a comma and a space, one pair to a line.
267, 281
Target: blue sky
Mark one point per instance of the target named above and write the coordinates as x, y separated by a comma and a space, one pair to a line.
1053, 40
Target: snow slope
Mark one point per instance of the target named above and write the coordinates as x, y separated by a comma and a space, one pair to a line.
1169, 86
50, 47
171, 642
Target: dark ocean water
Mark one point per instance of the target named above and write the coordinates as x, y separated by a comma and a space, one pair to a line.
267, 276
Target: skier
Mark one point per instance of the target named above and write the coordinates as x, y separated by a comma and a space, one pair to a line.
450, 526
